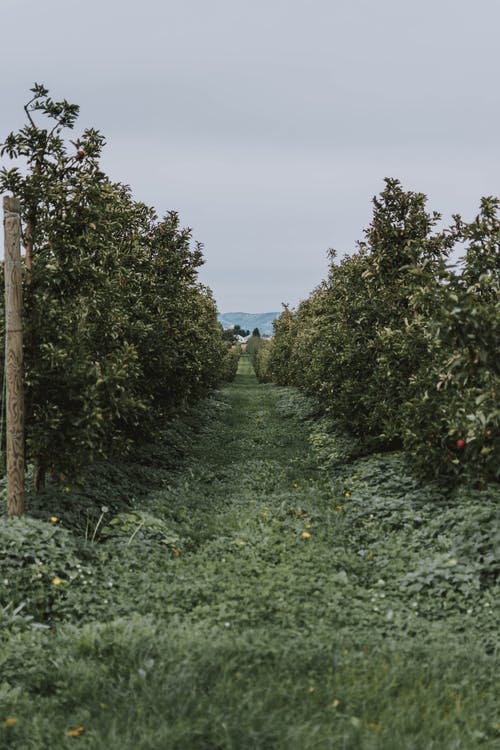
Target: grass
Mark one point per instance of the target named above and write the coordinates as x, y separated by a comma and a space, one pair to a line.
280, 593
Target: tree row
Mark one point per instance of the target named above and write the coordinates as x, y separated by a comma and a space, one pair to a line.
400, 346
119, 333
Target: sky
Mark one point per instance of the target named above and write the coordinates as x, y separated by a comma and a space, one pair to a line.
269, 125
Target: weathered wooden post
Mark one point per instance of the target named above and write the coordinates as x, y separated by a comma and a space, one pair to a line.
14, 396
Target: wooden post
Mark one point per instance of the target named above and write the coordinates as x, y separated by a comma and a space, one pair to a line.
14, 397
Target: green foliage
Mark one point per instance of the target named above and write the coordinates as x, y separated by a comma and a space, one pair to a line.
259, 351
399, 348
452, 420
230, 363
261, 361
39, 562
139, 527
119, 334
285, 332
239, 331
228, 335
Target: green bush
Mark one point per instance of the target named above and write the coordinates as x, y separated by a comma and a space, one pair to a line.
230, 363
39, 563
139, 527
281, 354
259, 350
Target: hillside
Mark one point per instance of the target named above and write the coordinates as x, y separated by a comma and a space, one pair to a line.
249, 321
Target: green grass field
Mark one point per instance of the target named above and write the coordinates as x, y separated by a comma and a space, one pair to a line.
319, 601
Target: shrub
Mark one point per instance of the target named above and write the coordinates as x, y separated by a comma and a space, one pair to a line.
39, 562
280, 357
259, 350
142, 528
230, 363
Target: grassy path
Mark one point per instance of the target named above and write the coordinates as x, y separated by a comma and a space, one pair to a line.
279, 626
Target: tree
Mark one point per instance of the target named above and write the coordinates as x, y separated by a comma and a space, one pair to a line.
256, 332
238, 331
398, 347
119, 333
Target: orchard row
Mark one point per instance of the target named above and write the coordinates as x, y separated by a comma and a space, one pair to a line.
401, 347
119, 333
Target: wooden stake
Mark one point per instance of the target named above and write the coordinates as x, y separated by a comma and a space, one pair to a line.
14, 397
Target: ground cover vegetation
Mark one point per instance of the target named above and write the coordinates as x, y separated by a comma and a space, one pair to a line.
119, 333
251, 581
400, 347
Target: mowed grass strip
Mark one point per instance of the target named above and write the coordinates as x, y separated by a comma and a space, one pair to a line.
283, 623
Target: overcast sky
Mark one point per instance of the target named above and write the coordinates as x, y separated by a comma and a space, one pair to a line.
270, 124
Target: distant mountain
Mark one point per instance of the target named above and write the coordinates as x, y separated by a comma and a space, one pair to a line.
249, 321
